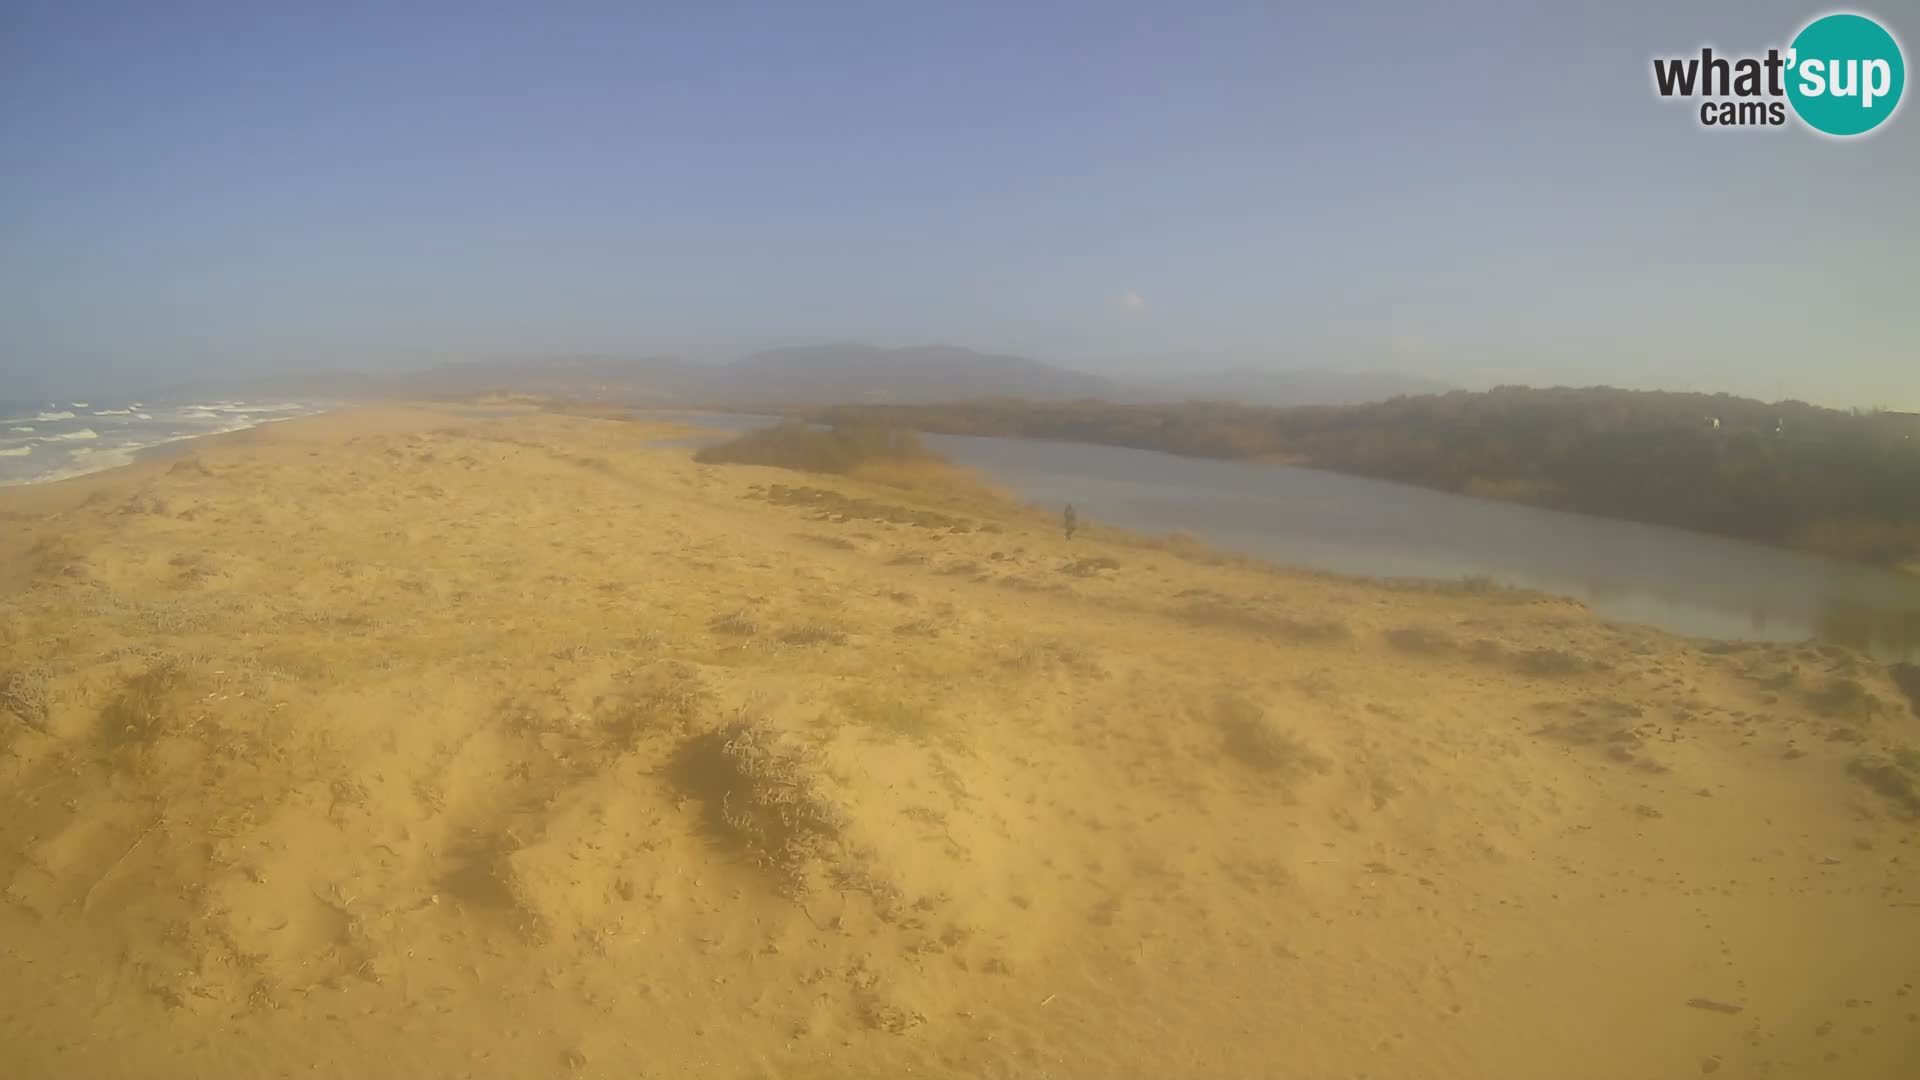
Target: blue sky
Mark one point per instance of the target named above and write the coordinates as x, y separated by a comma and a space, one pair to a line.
1489, 193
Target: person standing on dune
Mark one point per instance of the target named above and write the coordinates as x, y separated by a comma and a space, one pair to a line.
1072, 520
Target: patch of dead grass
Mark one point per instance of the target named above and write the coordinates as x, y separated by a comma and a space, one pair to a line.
739, 623
1090, 567
25, 691
813, 633
1422, 641
1228, 616
1895, 776
762, 790
1255, 738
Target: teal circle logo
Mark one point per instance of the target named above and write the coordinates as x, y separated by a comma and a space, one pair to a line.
1845, 74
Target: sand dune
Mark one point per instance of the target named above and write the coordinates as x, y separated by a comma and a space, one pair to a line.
398, 742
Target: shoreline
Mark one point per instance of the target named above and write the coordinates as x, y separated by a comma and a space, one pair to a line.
168, 449
1818, 608
912, 416
38, 507
161, 448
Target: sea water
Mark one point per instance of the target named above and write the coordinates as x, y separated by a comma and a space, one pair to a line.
43, 440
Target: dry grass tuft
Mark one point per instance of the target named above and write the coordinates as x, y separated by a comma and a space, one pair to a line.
1422, 641
891, 716
813, 633
1538, 662
1090, 567
1028, 585
1475, 585
1602, 724
1893, 776
1050, 655
147, 707
666, 701
738, 623
1550, 663
839, 508
1906, 677
1843, 698
1256, 739
762, 791
25, 692
1226, 616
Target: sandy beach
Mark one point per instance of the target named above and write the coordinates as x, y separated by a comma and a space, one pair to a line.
403, 742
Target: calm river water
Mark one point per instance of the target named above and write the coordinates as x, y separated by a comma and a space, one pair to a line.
1686, 582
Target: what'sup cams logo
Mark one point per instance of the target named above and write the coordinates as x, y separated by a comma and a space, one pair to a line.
1842, 76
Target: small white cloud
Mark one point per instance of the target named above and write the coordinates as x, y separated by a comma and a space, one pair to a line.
1131, 300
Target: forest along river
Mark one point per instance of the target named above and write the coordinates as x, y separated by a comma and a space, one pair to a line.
1689, 583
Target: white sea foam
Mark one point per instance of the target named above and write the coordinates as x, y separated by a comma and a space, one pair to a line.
79, 404
243, 408
89, 461
28, 430
77, 456
111, 412
48, 417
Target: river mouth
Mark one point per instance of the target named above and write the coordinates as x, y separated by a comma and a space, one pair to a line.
1688, 583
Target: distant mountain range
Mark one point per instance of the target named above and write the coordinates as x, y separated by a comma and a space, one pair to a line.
823, 375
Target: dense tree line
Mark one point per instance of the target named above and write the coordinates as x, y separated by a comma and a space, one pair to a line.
1788, 473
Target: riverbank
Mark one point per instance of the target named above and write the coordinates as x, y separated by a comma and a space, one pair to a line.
1786, 474
395, 740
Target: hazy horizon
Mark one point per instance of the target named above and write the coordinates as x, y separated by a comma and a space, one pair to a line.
1476, 196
